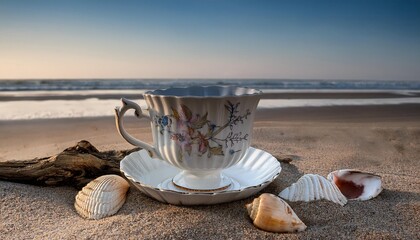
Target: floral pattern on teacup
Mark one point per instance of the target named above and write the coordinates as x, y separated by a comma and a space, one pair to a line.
195, 130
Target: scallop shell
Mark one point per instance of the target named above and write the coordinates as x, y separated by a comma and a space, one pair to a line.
355, 184
312, 187
102, 197
271, 213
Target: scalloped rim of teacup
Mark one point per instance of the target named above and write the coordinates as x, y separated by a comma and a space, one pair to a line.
161, 92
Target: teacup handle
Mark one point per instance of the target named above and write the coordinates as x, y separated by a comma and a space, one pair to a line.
139, 113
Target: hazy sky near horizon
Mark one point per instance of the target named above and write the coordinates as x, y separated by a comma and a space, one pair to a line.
369, 39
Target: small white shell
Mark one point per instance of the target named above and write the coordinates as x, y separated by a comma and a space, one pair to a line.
102, 197
311, 187
355, 184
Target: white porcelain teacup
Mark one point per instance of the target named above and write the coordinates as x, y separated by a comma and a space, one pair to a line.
201, 130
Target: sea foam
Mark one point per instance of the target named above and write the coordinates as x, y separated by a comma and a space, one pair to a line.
93, 107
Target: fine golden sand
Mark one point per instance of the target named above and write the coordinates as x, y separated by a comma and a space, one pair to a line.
384, 140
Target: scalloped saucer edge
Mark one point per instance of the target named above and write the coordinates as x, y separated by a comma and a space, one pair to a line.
153, 177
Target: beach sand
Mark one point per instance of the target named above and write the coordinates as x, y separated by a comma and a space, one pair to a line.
381, 139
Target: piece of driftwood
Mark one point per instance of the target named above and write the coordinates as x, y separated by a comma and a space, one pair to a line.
75, 166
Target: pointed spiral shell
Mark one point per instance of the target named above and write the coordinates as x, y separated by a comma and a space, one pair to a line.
312, 187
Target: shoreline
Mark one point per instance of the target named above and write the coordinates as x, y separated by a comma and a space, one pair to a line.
394, 112
67, 104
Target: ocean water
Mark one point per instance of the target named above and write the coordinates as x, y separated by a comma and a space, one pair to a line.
127, 84
44, 99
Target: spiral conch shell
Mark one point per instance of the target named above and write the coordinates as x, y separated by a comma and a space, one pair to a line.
271, 213
355, 184
102, 197
311, 187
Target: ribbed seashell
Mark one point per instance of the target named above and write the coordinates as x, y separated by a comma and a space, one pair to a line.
355, 184
102, 197
270, 213
312, 187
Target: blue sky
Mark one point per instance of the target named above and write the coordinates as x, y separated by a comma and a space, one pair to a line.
210, 39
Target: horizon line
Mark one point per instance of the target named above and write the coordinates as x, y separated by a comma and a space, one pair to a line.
203, 78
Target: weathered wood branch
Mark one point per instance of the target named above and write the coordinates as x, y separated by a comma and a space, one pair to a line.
75, 166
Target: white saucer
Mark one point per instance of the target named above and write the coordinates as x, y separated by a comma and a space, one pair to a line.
154, 176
